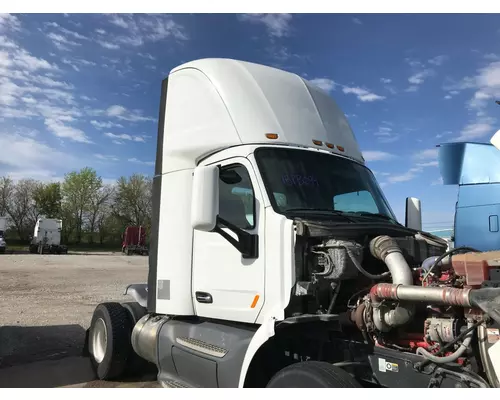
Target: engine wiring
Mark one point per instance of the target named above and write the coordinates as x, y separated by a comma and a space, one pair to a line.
443, 256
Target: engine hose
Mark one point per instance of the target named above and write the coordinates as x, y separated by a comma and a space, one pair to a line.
452, 357
364, 271
443, 256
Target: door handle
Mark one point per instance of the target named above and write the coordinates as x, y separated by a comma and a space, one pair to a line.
203, 297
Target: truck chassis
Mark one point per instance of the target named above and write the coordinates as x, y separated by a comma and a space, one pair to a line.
47, 249
135, 249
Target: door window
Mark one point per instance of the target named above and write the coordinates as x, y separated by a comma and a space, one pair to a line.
236, 197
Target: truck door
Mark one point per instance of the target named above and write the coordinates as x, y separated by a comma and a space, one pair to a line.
226, 285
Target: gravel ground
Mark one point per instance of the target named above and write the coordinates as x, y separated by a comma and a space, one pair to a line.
47, 301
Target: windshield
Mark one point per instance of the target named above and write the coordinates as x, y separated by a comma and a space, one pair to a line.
306, 181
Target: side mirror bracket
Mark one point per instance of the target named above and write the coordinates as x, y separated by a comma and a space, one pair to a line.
247, 244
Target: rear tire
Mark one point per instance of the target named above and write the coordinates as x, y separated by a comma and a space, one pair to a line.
109, 340
136, 364
312, 374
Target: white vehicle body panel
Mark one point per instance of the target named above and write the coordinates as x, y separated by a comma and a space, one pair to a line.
47, 231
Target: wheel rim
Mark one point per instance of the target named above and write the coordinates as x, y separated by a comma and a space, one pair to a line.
99, 340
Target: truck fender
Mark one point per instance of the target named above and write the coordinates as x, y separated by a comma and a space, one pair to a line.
261, 336
139, 292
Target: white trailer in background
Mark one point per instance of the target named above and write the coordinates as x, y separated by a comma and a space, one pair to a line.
47, 237
3, 227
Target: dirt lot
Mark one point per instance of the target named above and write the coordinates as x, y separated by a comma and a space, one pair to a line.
47, 303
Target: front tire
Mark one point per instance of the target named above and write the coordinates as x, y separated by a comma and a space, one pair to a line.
312, 374
109, 340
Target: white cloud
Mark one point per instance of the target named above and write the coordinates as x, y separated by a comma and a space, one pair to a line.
121, 112
467, 82
374, 155
118, 21
24, 157
9, 22
362, 94
147, 55
125, 136
411, 174
108, 124
385, 80
5, 42
478, 129
438, 60
440, 135
108, 45
438, 181
30, 81
429, 154
100, 31
136, 161
277, 24
76, 63
324, 83
122, 136
420, 77
106, 157
428, 164
411, 89
357, 21
383, 131
144, 28
22, 59
492, 56
447, 97
66, 132
43, 80
385, 135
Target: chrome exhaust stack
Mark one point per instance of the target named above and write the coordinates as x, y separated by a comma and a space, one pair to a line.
145, 335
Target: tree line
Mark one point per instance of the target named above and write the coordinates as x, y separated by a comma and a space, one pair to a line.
91, 211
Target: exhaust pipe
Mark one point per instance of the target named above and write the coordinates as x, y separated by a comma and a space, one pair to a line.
431, 295
485, 299
386, 249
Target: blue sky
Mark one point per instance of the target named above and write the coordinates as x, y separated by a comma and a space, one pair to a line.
78, 90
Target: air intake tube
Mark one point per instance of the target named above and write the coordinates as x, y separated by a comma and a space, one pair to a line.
386, 249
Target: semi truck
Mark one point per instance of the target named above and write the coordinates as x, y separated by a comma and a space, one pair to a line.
474, 168
3, 227
277, 261
47, 237
134, 241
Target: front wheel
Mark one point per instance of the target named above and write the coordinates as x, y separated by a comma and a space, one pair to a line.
109, 340
312, 374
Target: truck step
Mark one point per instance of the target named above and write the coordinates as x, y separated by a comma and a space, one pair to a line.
172, 384
202, 347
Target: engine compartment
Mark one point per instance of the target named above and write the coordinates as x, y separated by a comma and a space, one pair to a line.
397, 289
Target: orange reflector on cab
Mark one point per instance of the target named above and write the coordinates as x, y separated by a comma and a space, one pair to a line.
340, 148
318, 142
330, 146
255, 301
272, 135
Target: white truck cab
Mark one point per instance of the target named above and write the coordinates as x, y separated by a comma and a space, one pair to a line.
269, 233
47, 237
